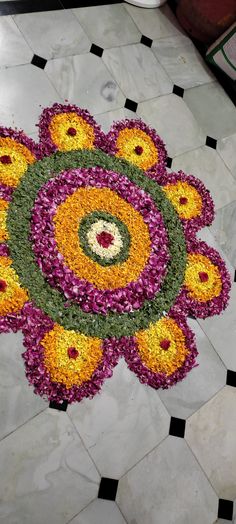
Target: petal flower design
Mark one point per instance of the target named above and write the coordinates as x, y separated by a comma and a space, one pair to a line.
136, 142
17, 152
98, 254
67, 128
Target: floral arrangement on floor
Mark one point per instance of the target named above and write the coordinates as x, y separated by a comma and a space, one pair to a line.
99, 257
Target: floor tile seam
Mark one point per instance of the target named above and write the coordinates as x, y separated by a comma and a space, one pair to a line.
129, 16
121, 512
42, 12
21, 32
62, 100
205, 333
202, 469
221, 157
87, 449
212, 345
23, 424
85, 507
158, 63
114, 79
144, 456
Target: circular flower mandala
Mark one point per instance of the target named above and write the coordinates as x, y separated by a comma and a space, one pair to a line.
99, 257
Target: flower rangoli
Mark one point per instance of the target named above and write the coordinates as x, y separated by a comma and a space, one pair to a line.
99, 257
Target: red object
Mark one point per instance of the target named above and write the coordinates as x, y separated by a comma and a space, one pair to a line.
206, 20
203, 276
165, 344
138, 150
3, 285
72, 353
71, 131
105, 239
5, 159
183, 200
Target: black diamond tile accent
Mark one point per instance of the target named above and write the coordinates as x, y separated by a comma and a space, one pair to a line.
211, 142
177, 427
231, 378
146, 41
96, 50
179, 91
169, 161
131, 105
61, 406
225, 509
108, 488
38, 61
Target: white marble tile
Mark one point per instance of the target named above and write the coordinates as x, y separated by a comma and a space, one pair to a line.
84, 80
137, 71
167, 486
22, 90
121, 424
14, 50
108, 25
18, 403
200, 384
53, 33
206, 164
221, 331
107, 119
213, 109
155, 23
211, 435
100, 512
174, 122
226, 148
224, 230
46, 474
182, 62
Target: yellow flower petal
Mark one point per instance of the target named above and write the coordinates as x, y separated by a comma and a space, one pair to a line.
62, 368
150, 349
127, 142
185, 198
83, 136
210, 287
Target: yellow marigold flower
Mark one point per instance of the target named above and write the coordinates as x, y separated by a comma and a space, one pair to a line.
202, 278
12, 296
70, 131
71, 358
162, 346
3, 217
137, 147
14, 161
185, 198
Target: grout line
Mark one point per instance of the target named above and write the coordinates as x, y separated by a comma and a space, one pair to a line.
23, 424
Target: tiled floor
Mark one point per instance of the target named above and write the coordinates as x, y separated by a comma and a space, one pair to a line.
173, 452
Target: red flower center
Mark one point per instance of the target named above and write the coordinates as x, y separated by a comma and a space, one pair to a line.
183, 201
138, 150
72, 353
203, 276
165, 343
71, 131
5, 159
3, 285
105, 239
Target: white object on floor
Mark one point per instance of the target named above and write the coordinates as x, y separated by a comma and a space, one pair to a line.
146, 3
